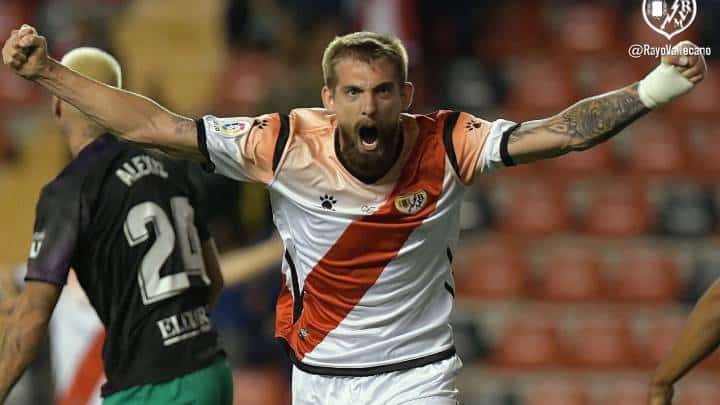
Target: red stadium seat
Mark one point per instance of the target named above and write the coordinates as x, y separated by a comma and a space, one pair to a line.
700, 394
588, 28
601, 341
623, 391
16, 91
656, 148
13, 14
528, 342
512, 28
704, 152
557, 392
659, 339
712, 362
617, 208
534, 207
543, 85
245, 81
607, 73
495, 270
645, 276
573, 274
598, 160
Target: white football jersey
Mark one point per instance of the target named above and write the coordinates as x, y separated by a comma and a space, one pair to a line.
76, 340
367, 279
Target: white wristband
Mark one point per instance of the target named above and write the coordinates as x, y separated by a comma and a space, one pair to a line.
663, 85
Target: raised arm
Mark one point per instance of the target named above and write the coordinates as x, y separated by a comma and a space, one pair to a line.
24, 330
597, 119
125, 114
698, 339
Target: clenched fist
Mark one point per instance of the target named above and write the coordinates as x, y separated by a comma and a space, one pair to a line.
26, 52
689, 61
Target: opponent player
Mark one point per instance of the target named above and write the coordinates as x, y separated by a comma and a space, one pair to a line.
123, 219
366, 199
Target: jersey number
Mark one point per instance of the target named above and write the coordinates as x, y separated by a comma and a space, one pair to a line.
152, 286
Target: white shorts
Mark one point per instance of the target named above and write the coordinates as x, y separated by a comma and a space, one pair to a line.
433, 384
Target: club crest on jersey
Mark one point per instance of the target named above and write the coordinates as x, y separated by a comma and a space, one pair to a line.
669, 17
411, 203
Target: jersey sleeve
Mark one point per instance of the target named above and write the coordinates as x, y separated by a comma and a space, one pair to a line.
477, 145
242, 148
56, 232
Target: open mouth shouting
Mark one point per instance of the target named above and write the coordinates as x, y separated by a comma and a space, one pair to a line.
369, 138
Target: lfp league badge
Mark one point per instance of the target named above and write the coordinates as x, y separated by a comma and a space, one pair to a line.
671, 17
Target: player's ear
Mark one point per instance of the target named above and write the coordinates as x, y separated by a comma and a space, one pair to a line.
328, 98
407, 92
56, 107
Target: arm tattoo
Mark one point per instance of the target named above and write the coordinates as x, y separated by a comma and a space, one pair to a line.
590, 121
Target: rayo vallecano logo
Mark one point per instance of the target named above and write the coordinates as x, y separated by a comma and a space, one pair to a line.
411, 203
669, 17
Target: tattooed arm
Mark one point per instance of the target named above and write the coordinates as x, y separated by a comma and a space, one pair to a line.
24, 330
581, 126
127, 115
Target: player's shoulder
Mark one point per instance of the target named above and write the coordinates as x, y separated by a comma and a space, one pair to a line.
311, 120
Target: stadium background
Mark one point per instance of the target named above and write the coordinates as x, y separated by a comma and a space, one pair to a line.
573, 276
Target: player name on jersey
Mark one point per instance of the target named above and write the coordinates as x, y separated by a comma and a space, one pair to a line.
138, 167
184, 325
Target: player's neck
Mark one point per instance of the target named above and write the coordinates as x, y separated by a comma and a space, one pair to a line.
81, 135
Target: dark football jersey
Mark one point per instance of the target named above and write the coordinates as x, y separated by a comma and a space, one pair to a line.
124, 219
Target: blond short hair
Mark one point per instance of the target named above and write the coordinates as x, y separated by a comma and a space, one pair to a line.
365, 46
96, 64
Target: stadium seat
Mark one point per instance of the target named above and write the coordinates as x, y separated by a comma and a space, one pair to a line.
686, 210
645, 276
529, 341
711, 362
624, 391
534, 207
656, 148
617, 208
659, 338
494, 270
700, 394
512, 28
587, 28
16, 91
557, 392
13, 14
244, 82
704, 149
541, 85
705, 271
602, 342
572, 274
601, 74
596, 161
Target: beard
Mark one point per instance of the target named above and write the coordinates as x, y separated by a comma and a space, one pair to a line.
370, 150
